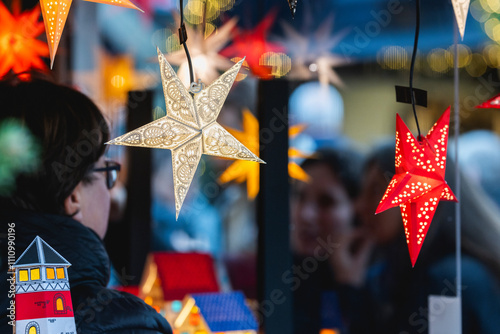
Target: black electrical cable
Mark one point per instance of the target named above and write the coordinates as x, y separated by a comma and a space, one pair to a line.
182, 40
412, 68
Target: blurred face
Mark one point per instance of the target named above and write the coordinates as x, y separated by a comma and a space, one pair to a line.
95, 201
320, 208
385, 226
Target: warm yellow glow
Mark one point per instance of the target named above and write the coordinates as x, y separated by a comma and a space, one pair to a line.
241, 171
437, 60
477, 12
60, 273
464, 55
59, 304
393, 58
184, 313
23, 275
172, 43
477, 66
51, 274
32, 330
197, 11
35, 274
118, 81
280, 63
491, 29
245, 65
148, 300
117, 74
491, 54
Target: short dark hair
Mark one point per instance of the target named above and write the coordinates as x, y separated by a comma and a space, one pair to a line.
71, 132
344, 163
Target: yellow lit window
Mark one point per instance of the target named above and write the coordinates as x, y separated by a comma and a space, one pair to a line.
60, 272
23, 275
35, 274
51, 273
33, 330
59, 304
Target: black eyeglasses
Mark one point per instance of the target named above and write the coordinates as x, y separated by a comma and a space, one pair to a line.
112, 168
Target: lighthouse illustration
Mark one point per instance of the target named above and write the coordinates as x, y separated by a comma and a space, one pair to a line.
43, 299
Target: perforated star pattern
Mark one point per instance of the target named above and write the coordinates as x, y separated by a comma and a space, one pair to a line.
461, 8
55, 13
190, 128
494, 103
418, 185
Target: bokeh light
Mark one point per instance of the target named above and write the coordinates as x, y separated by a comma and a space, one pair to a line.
491, 54
393, 58
477, 66
280, 63
438, 60
464, 55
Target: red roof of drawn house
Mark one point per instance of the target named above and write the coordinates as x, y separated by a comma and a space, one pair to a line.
185, 273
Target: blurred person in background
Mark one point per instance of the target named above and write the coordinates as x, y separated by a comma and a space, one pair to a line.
479, 157
323, 215
66, 202
394, 296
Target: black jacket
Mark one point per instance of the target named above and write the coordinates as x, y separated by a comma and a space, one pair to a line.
97, 309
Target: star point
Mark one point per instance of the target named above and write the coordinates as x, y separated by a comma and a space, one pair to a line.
419, 184
190, 128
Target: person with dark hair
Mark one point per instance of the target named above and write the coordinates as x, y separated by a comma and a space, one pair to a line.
66, 202
395, 295
323, 215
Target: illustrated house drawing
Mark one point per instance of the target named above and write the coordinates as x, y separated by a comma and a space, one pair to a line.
216, 313
43, 299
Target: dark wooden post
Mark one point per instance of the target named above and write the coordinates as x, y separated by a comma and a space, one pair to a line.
274, 257
128, 241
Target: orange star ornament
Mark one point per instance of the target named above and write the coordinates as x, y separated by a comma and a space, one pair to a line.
19, 48
55, 13
418, 185
249, 171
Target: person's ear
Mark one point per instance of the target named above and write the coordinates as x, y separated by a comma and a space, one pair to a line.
73, 203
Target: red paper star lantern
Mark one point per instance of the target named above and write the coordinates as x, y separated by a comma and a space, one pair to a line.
491, 103
419, 183
19, 48
253, 45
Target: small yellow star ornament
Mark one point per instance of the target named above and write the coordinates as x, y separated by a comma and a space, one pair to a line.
190, 128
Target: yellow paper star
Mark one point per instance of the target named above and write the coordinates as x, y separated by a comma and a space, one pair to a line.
190, 128
241, 171
55, 13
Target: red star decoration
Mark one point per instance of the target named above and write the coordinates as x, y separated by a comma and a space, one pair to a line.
491, 103
419, 183
252, 44
19, 48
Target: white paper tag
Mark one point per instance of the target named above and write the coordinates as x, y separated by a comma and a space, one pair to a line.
445, 315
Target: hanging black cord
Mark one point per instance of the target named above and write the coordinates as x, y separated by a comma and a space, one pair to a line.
412, 68
182, 40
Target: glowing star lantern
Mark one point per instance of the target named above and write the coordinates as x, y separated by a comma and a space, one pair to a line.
55, 13
19, 48
293, 6
418, 185
248, 171
491, 103
206, 60
253, 44
311, 53
461, 8
190, 128
43, 298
